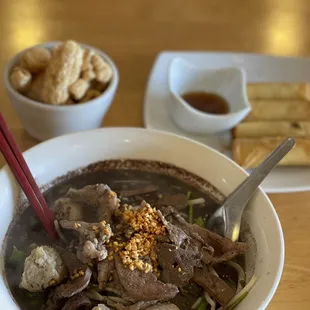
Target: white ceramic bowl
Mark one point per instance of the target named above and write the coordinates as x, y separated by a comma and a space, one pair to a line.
56, 157
45, 121
229, 83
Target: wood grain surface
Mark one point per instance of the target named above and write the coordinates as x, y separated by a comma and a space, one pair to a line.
133, 33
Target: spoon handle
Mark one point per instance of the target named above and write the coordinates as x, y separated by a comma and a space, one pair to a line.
238, 199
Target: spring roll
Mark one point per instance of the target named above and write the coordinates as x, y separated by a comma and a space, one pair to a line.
278, 91
281, 110
272, 129
249, 153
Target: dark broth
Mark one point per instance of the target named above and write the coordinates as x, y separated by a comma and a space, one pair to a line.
26, 230
207, 102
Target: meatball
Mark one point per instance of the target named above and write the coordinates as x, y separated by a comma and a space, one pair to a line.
43, 268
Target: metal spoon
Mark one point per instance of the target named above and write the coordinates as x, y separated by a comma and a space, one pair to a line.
226, 220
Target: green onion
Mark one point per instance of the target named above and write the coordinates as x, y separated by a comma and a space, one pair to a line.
190, 214
237, 299
234, 305
17, 256
199, 221
196, 303
34, 300
31, 295
203, 305
241, 275
210, 301
188, 195
190, 210
196, 201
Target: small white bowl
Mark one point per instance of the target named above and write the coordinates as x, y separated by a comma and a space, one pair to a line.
44, 121
229, 83
77, 150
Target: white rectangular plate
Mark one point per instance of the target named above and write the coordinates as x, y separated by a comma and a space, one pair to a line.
259, 68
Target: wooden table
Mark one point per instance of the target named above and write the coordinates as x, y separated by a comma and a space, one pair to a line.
133, 32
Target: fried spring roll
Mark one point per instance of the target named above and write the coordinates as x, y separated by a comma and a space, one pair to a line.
281, 110
272, 129
249, 153
278, 91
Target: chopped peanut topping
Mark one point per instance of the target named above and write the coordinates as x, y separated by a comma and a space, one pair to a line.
107, 232
112, 195
81, 273
77, 273
77, 225
146, 225
52, 282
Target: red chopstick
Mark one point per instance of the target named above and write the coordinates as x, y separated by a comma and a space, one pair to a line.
22, 173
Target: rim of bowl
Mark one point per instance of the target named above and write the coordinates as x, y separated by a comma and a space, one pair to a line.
113, 83
279, 271
208, 116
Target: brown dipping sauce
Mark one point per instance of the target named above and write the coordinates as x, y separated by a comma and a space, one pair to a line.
207, 102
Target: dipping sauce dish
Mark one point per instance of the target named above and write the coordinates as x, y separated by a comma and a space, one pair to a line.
216, 87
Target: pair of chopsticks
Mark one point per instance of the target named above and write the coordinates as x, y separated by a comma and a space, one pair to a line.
22, 173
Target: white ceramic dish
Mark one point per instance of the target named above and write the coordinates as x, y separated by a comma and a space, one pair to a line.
45, 121
77, 150
259, 68
229, 83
